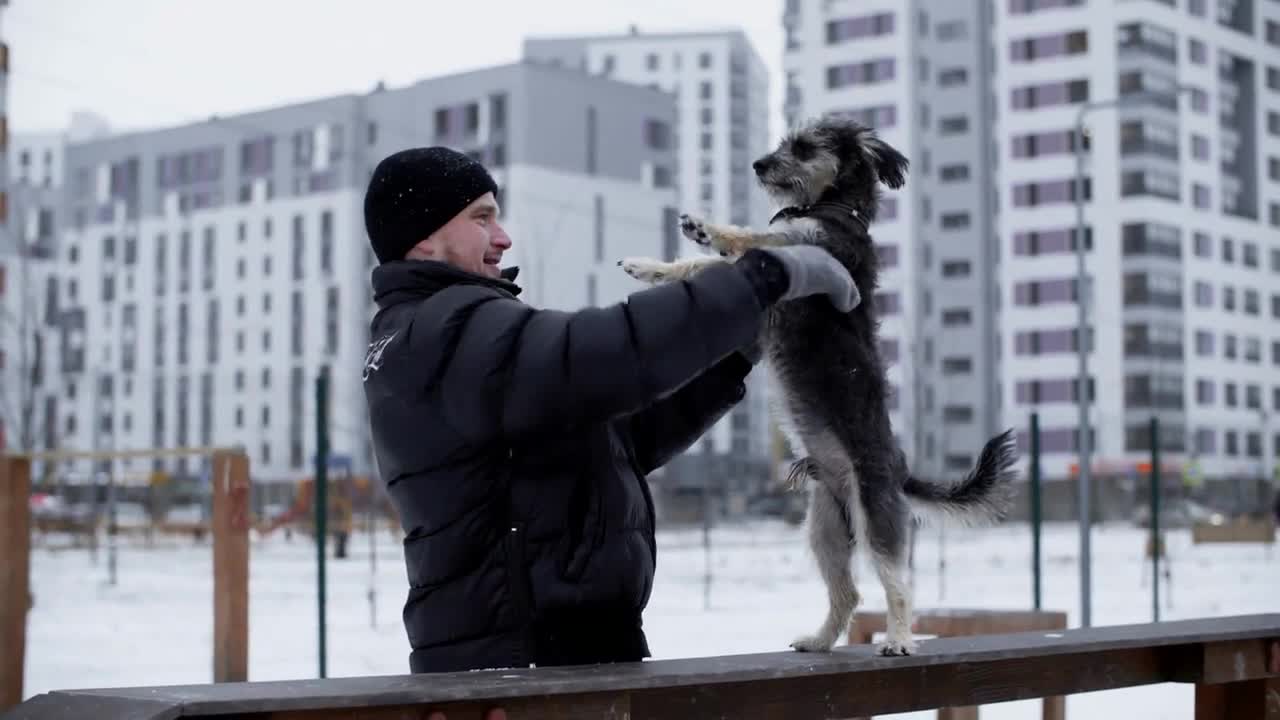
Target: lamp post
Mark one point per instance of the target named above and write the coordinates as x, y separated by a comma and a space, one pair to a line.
1082, 338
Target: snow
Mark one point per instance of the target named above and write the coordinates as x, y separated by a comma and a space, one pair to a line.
154, 627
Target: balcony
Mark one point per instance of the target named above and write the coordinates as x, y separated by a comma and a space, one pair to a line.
1148, 146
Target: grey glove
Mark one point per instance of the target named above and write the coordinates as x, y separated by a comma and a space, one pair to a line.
813, 271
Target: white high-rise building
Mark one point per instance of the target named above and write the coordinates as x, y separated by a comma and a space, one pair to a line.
721, 89
207, 272
1182, 209
917, 76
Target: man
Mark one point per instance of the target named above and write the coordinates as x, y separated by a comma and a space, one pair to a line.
514, 442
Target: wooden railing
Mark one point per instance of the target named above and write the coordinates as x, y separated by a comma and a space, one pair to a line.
1233, 661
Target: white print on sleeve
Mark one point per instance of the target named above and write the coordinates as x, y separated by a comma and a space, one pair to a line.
373, 359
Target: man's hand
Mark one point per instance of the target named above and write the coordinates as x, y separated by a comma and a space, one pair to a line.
813, 271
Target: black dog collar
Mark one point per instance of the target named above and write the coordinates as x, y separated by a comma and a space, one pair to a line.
797, 211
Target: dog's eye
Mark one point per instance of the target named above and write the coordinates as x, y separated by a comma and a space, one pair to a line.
803, 150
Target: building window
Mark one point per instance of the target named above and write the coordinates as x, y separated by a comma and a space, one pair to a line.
598, 227
591, 141
1199, 147
657, 134
958, 365
1200, 196
1045, 292
957, 317
1048, 242
955, 268
1023, 7
1203, 245
877, 116
1046, 143
953, 125
326, 241
1203, 294
953, 173
951, 30
887, 255
1196, 50
864, 73
1030, 97
952, 77
847, 29
887, 302
1049, 192
1048, 46
1205, 392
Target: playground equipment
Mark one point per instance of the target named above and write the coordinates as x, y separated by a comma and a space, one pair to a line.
229, 528
1234, 663
348, 495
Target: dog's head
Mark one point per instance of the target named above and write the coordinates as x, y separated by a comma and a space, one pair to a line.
832, 159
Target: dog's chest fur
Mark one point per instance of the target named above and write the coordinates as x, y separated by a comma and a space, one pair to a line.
827, 363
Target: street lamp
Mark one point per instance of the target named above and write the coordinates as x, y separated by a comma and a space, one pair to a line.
1082, 381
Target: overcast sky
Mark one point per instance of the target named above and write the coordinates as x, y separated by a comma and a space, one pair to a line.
152, 63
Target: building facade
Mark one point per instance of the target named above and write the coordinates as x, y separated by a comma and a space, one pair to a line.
1183, 226
917, 73
1181, 203
721, 89
208, 272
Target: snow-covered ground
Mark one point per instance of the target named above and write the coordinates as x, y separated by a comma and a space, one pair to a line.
154, 626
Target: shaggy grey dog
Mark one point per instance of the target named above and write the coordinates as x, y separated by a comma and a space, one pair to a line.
833, 385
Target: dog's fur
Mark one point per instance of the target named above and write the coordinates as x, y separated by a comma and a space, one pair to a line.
833, 382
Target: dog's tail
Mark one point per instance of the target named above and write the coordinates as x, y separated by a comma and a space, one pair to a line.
984, 496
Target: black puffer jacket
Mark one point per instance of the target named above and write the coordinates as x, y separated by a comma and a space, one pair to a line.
514, 443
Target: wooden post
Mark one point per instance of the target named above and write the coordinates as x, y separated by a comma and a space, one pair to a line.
230, 529
15, 574
1258, 698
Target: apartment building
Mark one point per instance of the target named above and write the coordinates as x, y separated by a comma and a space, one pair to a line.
1182, 227
918, 73
208, 272
721, 90
1181, 199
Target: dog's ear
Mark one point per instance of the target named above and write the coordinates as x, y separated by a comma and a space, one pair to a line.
890, 165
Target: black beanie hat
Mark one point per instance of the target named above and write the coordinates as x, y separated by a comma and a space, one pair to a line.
415, 192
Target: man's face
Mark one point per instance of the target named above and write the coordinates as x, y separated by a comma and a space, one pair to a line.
472, 241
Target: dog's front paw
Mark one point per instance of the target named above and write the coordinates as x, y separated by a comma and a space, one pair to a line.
897, 646
812, 643
644, 269
694, 229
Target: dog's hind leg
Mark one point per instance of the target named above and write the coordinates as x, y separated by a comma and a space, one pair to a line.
888, 519
832, 539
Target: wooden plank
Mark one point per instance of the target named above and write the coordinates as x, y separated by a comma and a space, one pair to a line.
849, 682
15, 575
605, 706
60, 706
1258, 699
885, 692
957, 622
230, 567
